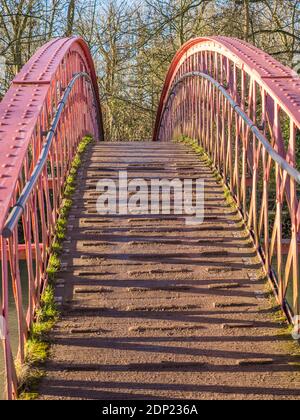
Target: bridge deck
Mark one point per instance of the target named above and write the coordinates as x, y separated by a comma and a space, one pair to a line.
154, 308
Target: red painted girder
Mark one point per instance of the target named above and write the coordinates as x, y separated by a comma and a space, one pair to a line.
22, 251
279, 81
22, 105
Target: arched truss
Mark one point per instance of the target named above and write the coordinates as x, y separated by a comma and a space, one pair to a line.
243, 108
59, 83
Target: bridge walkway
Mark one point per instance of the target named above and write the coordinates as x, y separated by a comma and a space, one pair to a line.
156, 309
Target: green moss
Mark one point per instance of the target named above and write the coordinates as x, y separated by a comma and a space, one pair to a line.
290, 346
62, 223
41, 329
285, 332
29, 396
209, 162
218, 177
205, 158
69, 191
37, 346
56, 247
53, 266
49, 309
37, 351
29, 389
228, 197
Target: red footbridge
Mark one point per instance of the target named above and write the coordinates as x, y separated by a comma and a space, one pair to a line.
240, 105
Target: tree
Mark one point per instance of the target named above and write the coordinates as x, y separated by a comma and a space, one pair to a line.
134, 41
70, 18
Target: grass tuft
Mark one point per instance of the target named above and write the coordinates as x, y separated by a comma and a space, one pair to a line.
37, 346
279, 317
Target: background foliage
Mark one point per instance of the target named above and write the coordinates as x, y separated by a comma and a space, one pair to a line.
134, 41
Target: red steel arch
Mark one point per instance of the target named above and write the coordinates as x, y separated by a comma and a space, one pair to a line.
28, 100
224, 57
243, 108
26, 114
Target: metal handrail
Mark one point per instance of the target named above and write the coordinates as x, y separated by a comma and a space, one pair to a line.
19, 207
253, 127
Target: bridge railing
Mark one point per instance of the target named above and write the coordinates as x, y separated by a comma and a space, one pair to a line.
52, 104
243, 109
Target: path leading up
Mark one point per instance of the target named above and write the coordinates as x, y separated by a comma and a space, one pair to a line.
156, 309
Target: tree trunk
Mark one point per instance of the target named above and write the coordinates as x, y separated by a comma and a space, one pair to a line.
247, 19
70, 18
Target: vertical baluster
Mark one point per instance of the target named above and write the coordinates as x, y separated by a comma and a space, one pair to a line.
11, 377
294, 210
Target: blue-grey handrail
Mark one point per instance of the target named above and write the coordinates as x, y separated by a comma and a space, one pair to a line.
253, 127
19, 207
